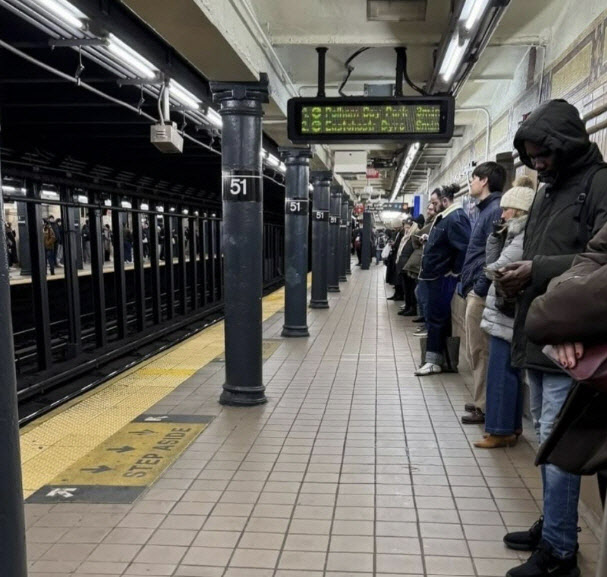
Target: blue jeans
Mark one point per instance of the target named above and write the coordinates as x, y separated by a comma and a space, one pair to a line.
504, 413
438, 317
421, 294
548, 392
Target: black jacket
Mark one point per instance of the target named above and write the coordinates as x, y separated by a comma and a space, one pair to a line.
473, 276
560, 223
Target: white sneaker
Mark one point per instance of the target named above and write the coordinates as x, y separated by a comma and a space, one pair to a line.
420, 333
428, 369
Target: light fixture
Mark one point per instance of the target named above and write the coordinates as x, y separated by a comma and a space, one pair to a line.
453, 57
49, 194
272, 160
196, 213
64, 11
472, 12
160, 208
107, 202
144, 206
184, 96
310, 188
411, 153
82, 199
12, 189
282, 167
172, 209
185, 211
130, 57
126, 204
214, 117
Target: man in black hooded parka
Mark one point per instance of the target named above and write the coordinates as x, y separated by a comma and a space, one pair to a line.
567, 212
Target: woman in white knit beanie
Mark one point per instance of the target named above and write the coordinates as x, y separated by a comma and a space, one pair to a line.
504, 413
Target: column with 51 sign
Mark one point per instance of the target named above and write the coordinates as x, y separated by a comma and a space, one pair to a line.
241, 111
297, 161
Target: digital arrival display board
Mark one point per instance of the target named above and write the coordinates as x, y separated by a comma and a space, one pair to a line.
352, 119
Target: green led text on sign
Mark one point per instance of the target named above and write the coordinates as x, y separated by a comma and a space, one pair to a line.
395, 119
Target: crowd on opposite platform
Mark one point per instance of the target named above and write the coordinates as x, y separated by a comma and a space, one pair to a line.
532, 270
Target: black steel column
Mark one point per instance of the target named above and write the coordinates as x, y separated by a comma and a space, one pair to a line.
366, 242
97, 258
155, 268
334, 252
349, 240
25, 263
297, 161
118, 220
78, 238
193, 269
343, 238
182, 272
138, 271
169, 276
320, 239
242, 112
71, 240
12, 524
42, 320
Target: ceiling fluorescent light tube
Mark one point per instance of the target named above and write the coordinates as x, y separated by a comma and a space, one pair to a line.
144, 206
472, 12
12, 189
214, 118
272, 160
453, 57
82, 199
184, 96
64, 11
140, 65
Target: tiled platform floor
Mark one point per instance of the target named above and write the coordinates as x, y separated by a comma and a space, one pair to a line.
353, 468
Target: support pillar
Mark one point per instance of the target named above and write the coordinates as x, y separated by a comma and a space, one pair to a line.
12, 523
334, 253
366, 242
297, 212
25, 261
343, 239
349, 234
242, 191
320, 239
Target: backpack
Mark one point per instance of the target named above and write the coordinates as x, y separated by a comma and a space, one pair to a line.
49, 238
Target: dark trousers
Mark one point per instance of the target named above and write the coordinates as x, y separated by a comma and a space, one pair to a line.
438, 316
50, 259
409, 291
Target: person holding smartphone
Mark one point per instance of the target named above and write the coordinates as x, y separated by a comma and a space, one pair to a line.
504, 414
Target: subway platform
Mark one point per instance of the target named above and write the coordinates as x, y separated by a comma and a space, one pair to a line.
354, 467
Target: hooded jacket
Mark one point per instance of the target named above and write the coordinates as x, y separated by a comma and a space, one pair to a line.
473, 277
561, 220
448, 240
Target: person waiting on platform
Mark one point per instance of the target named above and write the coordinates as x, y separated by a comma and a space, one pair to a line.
49, 241
569, 210
504, 417
405, 282
442, 263
413, 268
486, 185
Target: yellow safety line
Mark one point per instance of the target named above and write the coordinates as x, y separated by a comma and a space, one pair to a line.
55, 442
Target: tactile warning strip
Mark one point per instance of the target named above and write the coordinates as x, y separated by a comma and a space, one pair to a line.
56, 441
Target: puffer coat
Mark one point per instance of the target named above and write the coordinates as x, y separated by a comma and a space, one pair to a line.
495, 322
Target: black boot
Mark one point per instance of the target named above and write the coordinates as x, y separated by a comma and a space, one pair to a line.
419, 320
544, 563
525, 540
396, 297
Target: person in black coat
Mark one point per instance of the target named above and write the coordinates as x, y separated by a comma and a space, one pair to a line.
567, 212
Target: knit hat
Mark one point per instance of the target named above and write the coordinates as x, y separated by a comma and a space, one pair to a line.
520, 196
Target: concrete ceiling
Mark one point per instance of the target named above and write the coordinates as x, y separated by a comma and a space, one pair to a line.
236, 39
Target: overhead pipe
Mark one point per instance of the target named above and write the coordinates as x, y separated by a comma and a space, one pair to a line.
488, 128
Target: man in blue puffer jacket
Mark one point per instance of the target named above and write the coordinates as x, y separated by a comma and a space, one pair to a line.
486, 185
